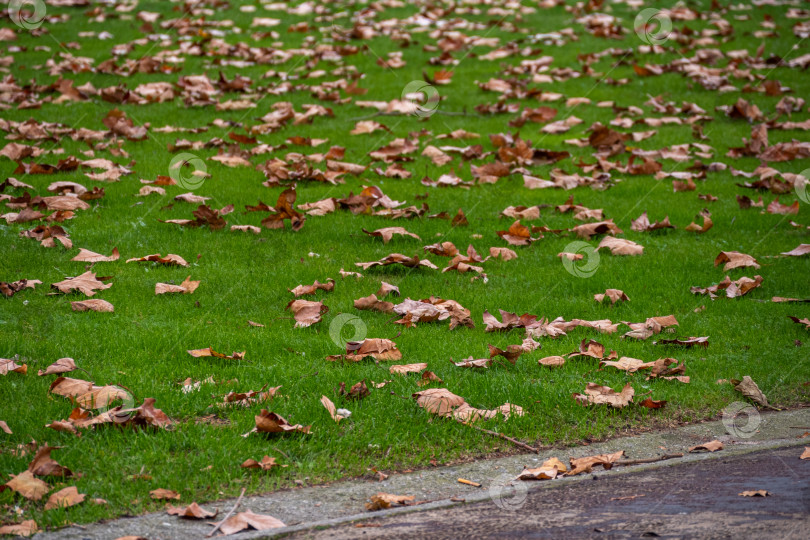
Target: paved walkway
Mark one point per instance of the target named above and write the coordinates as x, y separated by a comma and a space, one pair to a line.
304, 509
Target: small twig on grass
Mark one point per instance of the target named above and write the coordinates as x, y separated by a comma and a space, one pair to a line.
510, 439
235, 506
282, 453
648, 460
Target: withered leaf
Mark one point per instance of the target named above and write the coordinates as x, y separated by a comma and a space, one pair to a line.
192, 511
615, 295
24, 528
397, 258
248, 520
749, 389
266, 464
754, 493
403, 369
620, 246
711, 446
208, 351
381, 501
357, 391
28, 486
186, 287
85, 283
7, 365
377, 348
604, 395
86, 255
586, 464
164, 494
9, 289
304, 290
63, 365
170, 259
92, 305
306, 313
44, 465
331, 409
388, 232
270, 422
735, 259
64, 498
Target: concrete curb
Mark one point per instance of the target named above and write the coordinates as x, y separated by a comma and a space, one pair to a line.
342, 503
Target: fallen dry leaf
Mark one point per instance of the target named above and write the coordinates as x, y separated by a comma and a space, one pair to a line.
24, 528
749, 389
63, 365
604, 395
403, 369
7, 365
306, 313
9, 289
266, 464
28, 486
757, 493
381, 501
208, 351
248, 520
164, 494
186, 287
615, 295
170, 259
304, 290
85, 283
735, 259
94, 304
192, 511
388, 232
64, 498
85, 255
377, 348
270, 422
711, 446
586, 464
44, 465
330, 407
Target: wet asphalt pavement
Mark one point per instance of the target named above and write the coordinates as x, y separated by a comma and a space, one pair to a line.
691, 500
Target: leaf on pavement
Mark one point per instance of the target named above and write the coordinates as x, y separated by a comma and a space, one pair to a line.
192, 511
711, 446
94, 304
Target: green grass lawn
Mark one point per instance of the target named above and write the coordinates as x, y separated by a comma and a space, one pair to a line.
142, 345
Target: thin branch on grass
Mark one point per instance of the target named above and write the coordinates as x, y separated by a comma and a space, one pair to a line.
510, 439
